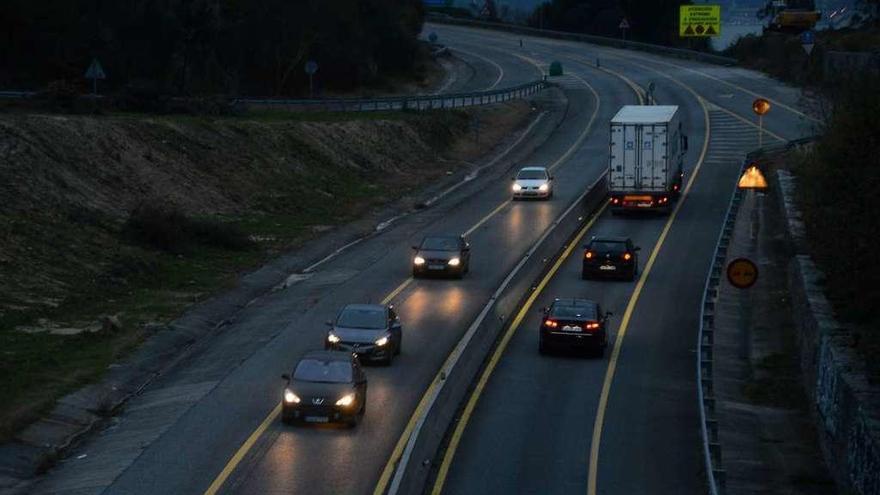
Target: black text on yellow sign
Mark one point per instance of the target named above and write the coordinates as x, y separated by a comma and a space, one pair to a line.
742, 273
699, 21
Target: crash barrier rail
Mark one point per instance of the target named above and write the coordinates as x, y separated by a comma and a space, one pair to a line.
588, 38
391, 103
711, 447
414, 102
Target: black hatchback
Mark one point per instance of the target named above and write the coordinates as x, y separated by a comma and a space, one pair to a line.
325, 387
573, 323
610, 257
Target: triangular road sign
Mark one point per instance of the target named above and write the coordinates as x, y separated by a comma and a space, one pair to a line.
710, 30
699, 29
808, 48
689, 30
95, 71
624, 24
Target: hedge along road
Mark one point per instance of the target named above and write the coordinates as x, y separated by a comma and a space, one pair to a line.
556, 424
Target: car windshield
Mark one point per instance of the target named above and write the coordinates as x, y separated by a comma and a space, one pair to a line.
440, 244
531, 174
368, 318
314, 370
569, 311
608, 246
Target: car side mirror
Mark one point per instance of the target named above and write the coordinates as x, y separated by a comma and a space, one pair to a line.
552, 177
286, 376
329, 323
416, 248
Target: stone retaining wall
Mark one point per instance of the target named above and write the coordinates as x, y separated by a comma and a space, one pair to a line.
847, 407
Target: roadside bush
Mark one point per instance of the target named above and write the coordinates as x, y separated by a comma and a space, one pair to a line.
838, 186
168, 229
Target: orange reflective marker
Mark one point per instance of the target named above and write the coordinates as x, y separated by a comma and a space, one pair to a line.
761, 106
752, 178
742, 273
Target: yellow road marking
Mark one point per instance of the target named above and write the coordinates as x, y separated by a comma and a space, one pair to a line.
624, 323
397, 291
388, 471
242, 451
496, 356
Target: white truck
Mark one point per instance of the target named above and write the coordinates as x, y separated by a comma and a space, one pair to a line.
647, 150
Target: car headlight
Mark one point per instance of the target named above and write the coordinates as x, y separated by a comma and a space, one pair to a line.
333, 338
544, 187
418, 260
346, 401
454, 262
382, 341
290, 397
517, 188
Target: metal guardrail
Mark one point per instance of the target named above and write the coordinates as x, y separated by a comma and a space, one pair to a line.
711, 447
16, 95
393, 103
588, 38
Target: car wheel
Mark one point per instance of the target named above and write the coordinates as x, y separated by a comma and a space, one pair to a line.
635, 273
390, 359
599, 352
542, 346
398, 347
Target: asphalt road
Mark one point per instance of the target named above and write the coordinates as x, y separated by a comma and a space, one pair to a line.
533, 427
199, 421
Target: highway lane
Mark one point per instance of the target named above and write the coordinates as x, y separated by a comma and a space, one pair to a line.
533, 428
730, 88
182, 432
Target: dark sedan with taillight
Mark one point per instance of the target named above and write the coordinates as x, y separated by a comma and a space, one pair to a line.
610, 257
573, 323
325, 387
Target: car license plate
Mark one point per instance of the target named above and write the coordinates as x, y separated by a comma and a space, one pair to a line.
568, 328
608, 267
436, 267
317, 419
644, 205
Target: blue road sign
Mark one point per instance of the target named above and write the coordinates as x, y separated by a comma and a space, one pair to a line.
808, 38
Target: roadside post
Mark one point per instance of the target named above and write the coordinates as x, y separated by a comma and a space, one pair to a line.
311, 67
95, 72
760, 106
742, 273
650, 95
623, 26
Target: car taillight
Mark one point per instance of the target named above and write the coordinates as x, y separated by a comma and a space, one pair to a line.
550, 324
592, 326
664, 199
588, 254
615, 201
627, 256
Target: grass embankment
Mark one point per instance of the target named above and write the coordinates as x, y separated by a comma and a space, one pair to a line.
141, 217
839, 179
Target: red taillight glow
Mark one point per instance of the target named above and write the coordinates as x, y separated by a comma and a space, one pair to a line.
627, 256
663, 200
588, 254
550, 324
592, 326
615, 200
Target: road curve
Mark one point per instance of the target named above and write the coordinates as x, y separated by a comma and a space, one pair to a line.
197, 424
626, 423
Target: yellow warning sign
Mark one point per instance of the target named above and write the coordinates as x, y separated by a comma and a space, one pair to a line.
699, 20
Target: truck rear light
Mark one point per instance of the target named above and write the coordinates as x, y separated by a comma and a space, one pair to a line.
663, 200
550, 324
592, 326
615, 201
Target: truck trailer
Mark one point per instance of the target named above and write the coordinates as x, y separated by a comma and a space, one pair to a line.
646, 154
